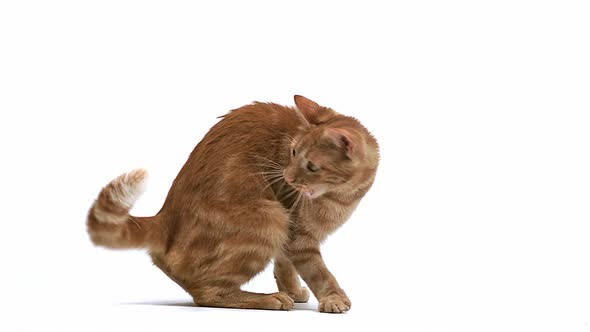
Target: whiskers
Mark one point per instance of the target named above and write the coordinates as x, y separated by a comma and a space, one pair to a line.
265, 162
292, 198
271, 179
301, 204
297, 200
273, 172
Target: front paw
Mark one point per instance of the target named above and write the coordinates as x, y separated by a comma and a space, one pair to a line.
335, 303
302, 296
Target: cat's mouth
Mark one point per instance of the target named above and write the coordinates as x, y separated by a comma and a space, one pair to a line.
306, 191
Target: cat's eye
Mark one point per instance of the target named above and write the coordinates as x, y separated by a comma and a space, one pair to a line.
293, 152
312, 167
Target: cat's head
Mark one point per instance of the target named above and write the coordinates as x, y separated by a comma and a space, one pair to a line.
332, 152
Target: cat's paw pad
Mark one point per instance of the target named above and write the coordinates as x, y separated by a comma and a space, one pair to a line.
335, 303
300, 297
282, 301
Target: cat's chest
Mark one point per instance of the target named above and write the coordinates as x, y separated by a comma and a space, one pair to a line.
327, 216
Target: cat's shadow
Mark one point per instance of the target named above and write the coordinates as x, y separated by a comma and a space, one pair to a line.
298, 306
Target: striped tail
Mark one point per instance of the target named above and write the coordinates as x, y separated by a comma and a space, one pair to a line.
109, 222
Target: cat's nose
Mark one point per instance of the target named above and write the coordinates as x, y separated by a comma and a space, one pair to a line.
290, 179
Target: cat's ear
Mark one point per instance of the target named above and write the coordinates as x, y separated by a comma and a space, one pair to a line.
346, 140
311, 111
307, 106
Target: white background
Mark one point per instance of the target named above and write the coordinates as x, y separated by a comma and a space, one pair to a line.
480, 216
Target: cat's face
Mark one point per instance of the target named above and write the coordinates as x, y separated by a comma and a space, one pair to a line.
332, 153
323, 160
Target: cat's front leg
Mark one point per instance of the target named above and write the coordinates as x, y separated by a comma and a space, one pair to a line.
304, 253
288, 280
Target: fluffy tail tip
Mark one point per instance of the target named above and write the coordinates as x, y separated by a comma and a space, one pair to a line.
108, 219
129, 186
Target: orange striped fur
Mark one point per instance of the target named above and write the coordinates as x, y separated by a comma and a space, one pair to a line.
266, 182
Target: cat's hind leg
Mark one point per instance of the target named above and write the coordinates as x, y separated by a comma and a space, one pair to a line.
247, 238
212, 296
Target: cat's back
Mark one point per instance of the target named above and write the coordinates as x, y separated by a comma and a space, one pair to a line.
252, 129
225, 164
249, 123
266, 117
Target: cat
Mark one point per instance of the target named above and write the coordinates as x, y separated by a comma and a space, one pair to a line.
266, 182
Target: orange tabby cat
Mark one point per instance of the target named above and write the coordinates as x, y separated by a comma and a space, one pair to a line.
266, 182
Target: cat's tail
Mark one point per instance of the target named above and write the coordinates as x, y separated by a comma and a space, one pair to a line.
109, 222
